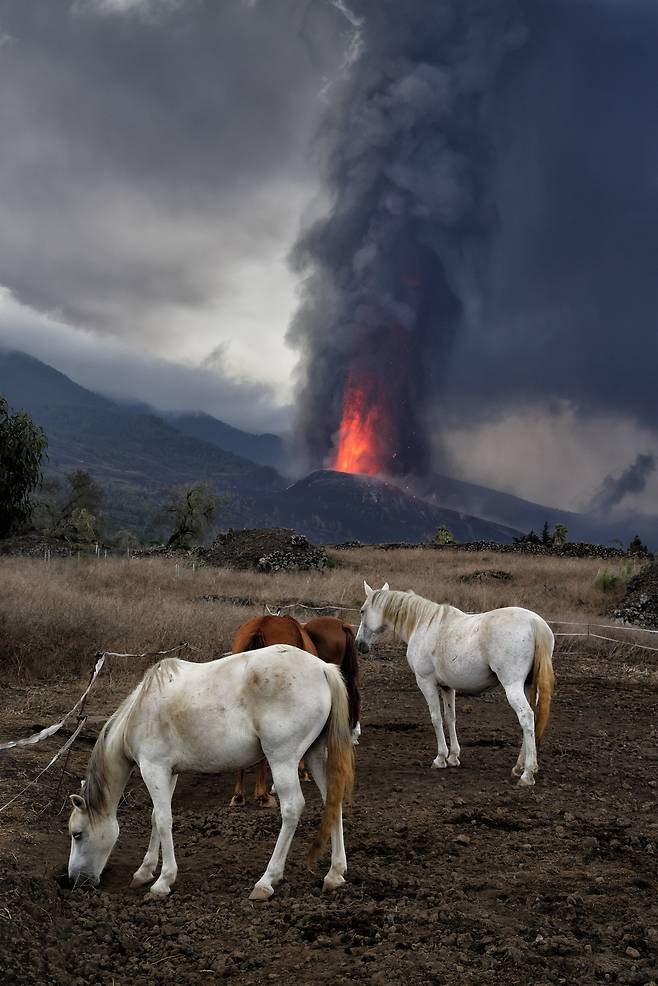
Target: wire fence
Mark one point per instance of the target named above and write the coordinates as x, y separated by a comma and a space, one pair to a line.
585, 630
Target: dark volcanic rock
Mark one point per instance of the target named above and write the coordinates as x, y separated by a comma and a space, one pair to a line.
640, 604
487, 575
271, 549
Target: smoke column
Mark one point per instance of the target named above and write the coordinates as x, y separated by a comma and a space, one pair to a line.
391, 272
632, 480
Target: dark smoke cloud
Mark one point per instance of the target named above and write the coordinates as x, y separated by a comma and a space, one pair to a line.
632, 480
493, 233
409, 171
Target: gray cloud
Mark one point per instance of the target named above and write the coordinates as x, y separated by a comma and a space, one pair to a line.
154, 163
111, 367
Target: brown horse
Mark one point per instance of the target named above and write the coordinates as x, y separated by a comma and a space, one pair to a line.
252, 635
330, 639
335, 644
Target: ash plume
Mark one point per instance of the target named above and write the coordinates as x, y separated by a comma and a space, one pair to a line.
391, 272
632, 480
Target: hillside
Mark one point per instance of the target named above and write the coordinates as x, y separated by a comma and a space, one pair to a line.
134, 455
507, 509
332, 507
267, 450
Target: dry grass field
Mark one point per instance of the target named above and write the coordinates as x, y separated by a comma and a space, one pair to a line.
455, 877
55, 615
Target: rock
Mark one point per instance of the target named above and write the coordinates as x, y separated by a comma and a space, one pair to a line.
265, 550
639, 606
487, 575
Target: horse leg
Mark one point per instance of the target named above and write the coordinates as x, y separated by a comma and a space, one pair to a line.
292, 803
430, 690
237, 801
146, 871
158, 781
336, 875
527, 760
356, 732
261, 794
448, 696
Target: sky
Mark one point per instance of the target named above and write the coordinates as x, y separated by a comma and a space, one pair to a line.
161, 162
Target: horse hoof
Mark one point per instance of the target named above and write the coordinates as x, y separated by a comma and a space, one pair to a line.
159, 892
266, 801
261, 893
526, 781
438, 764
333, 882
139, 881
453, 762
237, 801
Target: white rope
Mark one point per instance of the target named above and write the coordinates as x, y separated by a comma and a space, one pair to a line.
100, 661
56, 726
601, 626
312, 609
613, 640
69, 743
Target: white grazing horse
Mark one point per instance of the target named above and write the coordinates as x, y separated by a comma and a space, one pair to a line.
471, 653
279, 702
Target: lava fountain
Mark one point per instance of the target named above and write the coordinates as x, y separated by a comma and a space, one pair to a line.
364, 428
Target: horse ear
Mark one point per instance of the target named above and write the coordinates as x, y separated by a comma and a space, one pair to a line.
77, 802
385, 587
368, 590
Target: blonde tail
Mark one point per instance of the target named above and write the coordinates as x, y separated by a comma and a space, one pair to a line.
543, 677
340, 760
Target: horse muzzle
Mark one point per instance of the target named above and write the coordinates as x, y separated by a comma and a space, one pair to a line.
362, 647
82, 879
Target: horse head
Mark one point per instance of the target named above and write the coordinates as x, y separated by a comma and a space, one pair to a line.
372, 619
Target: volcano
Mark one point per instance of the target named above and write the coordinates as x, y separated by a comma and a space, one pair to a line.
330, 506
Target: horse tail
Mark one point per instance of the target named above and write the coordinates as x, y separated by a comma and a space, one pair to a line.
543, 676
350, 669
340, 760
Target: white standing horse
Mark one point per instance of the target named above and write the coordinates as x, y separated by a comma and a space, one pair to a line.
452, 652
279, 702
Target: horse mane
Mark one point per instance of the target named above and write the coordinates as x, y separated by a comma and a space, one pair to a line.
94, 791
405, 610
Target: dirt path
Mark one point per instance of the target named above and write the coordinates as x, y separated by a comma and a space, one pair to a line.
455, 877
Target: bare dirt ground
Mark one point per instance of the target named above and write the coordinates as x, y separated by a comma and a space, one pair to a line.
455, 876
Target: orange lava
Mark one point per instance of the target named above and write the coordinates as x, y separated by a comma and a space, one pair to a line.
359, 437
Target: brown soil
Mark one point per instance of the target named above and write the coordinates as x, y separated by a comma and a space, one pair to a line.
455, 876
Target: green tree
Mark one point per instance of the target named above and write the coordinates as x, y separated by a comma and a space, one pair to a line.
126, 539
529, 538
444, 536
22, 447
546, 537
189, 513
47, 506
560, 534
80, 516
636, 547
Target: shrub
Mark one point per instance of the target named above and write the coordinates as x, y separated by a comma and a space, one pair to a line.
607, 579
